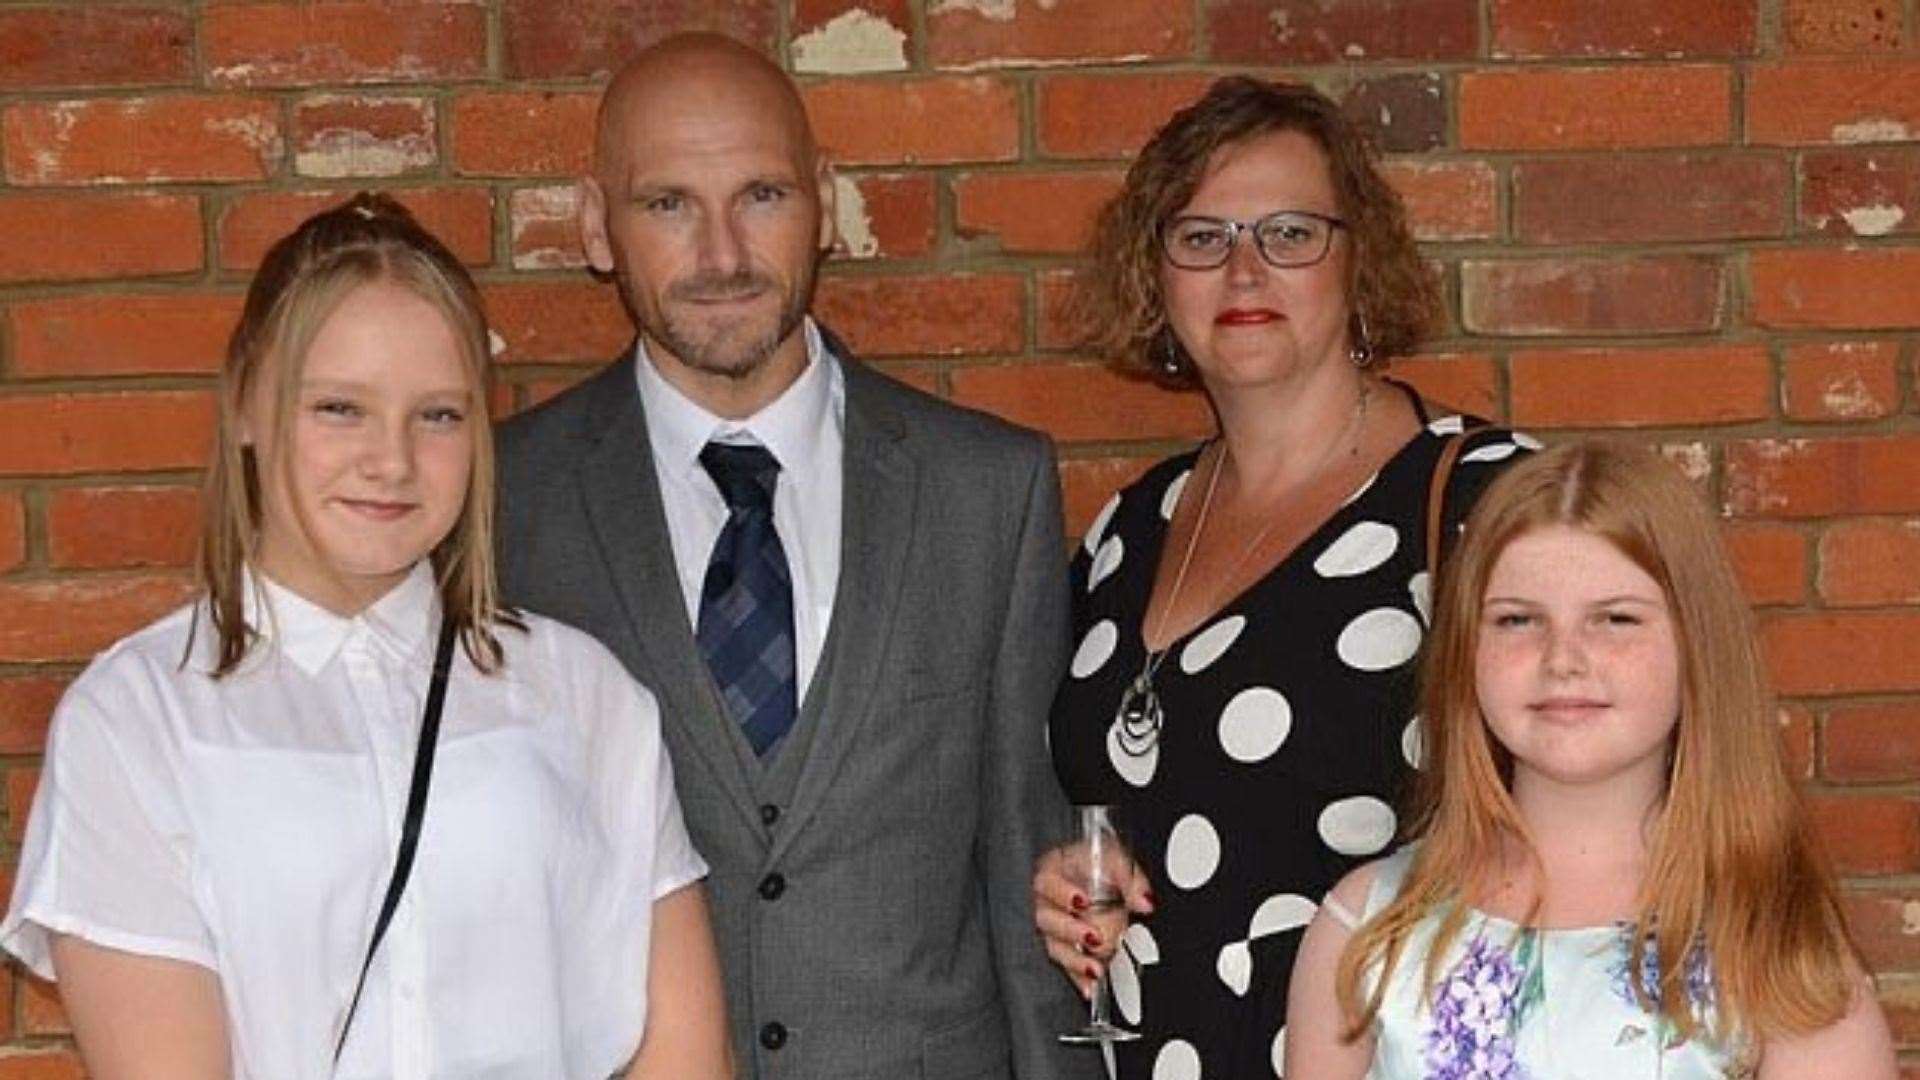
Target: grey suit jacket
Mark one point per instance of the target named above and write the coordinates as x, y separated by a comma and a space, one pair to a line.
877, 926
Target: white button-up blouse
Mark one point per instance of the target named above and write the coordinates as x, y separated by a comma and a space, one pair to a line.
248, 825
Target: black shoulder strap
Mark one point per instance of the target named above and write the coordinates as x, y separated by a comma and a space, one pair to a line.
410, 827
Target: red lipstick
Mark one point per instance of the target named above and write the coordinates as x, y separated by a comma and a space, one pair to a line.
1247, 317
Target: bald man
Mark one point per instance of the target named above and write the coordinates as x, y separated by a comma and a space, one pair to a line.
848, 595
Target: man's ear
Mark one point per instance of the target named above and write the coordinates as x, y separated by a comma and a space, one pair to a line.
829, 223
593, 225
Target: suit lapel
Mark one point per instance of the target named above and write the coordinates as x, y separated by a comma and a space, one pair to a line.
620, 490
876, 530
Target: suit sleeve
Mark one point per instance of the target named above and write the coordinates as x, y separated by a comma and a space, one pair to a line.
1029, 813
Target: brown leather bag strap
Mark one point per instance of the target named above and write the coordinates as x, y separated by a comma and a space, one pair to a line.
1437, 500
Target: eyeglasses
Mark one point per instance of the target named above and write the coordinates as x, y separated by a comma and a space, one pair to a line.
1285, 238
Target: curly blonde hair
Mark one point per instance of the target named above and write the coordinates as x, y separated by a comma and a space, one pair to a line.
1120, 303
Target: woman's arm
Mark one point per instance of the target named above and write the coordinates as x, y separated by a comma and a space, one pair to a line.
145, 1017
686, 1036
1856, 1046
1315, 1020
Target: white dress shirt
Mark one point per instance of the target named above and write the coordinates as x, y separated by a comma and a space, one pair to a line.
804, 429
248, 825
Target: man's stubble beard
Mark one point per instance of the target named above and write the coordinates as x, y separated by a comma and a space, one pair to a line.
714, 352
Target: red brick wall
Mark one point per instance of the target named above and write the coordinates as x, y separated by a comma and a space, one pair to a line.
1694, 221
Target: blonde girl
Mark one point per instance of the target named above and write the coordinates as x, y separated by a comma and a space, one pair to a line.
1612, 874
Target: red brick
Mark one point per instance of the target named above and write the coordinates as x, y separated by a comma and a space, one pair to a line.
1854, 652
545, 224
71, 619
980, 35
1648, 28
557, 322
1646, 105
343, 41
1341, 31
1872, 744
1063, 324
40, 1010
95, 45
121, 334
1861, 193
1644, 294
884, 215
927, 378
1087, 483
1841, 26
1032, 212
83, 237
1852, 100
1402, 114
36, 1064
930, 121
1871, 561
1771, 560
93, 528
1642, 199
523, 134
13, 531
461, 217
76, 433
26, 707
348, 135
1838, 289
142, 140
1722, 384
1868, 835
536, 391
1448, 200
21, 782
1082, 402
925, 314
545, 40
1109, 116
1464, 382
847, 37
1886, 926
1796, 478
1841, 380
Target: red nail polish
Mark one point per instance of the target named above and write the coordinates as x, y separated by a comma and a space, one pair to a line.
1090, 939
1078, 902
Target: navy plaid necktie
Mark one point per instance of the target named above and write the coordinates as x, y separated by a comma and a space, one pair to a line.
746, 602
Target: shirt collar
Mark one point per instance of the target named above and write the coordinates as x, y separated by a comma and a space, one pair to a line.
678, 427
399, 624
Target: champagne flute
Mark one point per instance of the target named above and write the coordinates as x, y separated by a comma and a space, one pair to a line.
1094, 861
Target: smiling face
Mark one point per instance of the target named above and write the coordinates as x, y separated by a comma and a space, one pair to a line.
373, 468
1247, 322
1578, 665
711, 209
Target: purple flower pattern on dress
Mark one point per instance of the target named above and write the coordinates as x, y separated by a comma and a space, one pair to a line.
1698, 982
1474, 1007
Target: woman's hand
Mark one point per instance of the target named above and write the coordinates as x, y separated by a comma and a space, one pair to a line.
1079, 937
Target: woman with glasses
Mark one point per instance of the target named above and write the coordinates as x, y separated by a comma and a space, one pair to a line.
1246, 614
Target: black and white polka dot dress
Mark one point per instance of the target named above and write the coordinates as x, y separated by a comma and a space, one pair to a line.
1285, 748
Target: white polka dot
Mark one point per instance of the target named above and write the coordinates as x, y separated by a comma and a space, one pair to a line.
1171, 497
1193, 852
1358, 550
1235, 967
1099, 525
1135, 769
1208, 645
1365, 486
1420, 591
1094, 649
1281, 913
1105, 562
1499, 451
1255, 723
1361, 825
1412, 746
1141, 944
1448, 425
1178, 1060
1527, 440
1123, 978
1280, 1051
1379, 639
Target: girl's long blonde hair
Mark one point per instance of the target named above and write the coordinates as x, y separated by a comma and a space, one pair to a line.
1732, 864
305, 276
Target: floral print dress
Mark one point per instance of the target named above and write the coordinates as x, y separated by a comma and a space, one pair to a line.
1517, 1003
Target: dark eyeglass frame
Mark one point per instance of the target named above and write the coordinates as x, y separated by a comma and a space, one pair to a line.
1235, 228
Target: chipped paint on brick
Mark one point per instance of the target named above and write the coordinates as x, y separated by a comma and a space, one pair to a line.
852, 223
1877, 220
1876, 130
997, 10
853, 42
544, 230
